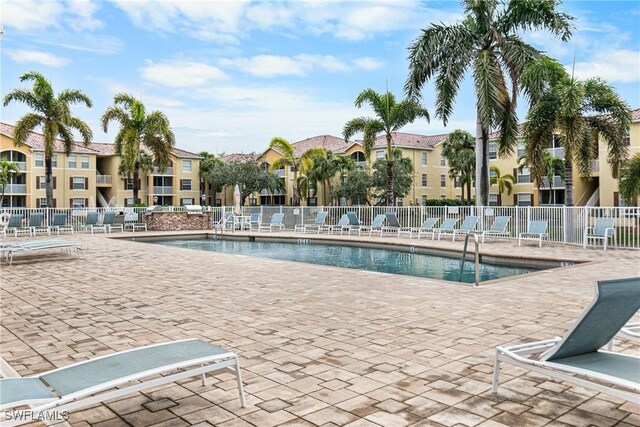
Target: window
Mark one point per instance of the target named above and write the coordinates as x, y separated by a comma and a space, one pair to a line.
424, 158
443, 160
43, 181
424, 199
457, 182
443, 180
459, 197
54, 161
78, 183
85, 162
424, 179
78, 203
72, 162
524, 175
622, 202
493, 199
128, 201
42, 203
627, 138
493, 151
186, 201
520, 150
523, 199
128, 183
185, 184
442, 196
186, 166
379, 154
399, 201
39, 160
492, 173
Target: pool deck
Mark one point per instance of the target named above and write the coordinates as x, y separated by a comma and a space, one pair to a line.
319, 345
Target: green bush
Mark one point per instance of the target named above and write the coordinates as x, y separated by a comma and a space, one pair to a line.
448, 202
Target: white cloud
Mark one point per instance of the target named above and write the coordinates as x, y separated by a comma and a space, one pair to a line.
178, 74
621, 65
82, 12
29, 15
368, 63
297, 65
34, 56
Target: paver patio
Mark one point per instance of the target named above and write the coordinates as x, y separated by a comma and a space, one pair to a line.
319, 345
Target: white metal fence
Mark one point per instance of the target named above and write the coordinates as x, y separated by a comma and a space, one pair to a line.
565, 224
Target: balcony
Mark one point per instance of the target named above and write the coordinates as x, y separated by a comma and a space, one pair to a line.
557, 182
556, 152
156, 171
595, 166
15, 189
160, 190
103, 180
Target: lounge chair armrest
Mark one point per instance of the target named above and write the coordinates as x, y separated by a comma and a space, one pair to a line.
606, 231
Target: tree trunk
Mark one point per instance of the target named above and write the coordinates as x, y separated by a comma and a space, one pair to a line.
469, 186
48, 180
296, 195
389, 201
136, 177
499, 198
568, 181
482, 164
329, 198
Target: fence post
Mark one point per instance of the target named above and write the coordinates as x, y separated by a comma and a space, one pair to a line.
565, 212
517, 221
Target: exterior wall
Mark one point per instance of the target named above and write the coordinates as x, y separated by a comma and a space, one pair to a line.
175, 221
6, 144
609, 185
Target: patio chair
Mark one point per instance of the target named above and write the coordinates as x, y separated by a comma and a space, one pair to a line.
107, 377
36, 220
446, 227
376, 225
629, 332
317, 224
277, 221
254, 221
354, 223
604, 230
578, 357
342, 225
536, 230
109, 221
392, 224
498, 228
8, 250
15, 225
59, 224
426, 227
467, 226
91, 223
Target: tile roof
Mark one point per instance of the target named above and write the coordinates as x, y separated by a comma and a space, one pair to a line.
35, 140
410, 140
496, 134
635, 115
330, 142
238, 157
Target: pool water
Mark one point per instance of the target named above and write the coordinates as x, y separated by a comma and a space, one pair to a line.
359, 258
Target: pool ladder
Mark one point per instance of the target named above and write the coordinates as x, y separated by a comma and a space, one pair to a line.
477, 257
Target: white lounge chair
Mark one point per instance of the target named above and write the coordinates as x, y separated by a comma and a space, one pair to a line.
277, 222
498, 228
446, 227
36, 225
604, 230
578, 357
630, 332
376, 225
108, 377
426, 227
342, 225
317, 224
254, 221
109, 221
91, 223
536, 230
15, 225
7, 250
467, 226
59, 224
354, 223
392, 224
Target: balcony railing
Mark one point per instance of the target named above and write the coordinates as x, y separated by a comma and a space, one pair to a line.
103, 179
21, 165
557, 182
556, 152
168, 171
279, 172
595, 166
15, 189
162, 190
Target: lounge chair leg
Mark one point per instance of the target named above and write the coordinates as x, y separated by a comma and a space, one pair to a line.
243, 402
610, 345
204, 378
496, 374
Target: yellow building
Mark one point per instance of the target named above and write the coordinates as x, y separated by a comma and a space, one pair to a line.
88, 176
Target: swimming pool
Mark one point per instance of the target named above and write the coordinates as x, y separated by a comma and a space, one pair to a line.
360, 258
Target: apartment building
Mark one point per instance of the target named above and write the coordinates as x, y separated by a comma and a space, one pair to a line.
88, 176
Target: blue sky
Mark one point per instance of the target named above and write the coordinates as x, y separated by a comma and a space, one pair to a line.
231, 75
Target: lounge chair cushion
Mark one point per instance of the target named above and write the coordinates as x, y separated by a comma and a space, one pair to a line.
16, 390
615, 365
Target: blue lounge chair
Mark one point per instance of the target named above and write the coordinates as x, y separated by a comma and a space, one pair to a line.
36, 224
467, 226
446, 227
59, 224
354, 223
392, 224
426, 227
536, 230
254, 221
15, 225
342, 225
498, 228
91, 223
108, 377
604, 230
376, 225
109, 221
578, 357
318, 223
29, 246
277, 222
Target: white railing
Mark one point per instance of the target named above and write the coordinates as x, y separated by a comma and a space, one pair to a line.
168, 171
103, 179
163, 190
558, 182
15, 189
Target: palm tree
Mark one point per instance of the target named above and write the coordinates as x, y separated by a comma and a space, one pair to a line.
212, 171
391, 117
323, 169
487, 43
552, 166
299, 164
53, 115
580, 112
504, 182
629, 181
138, 129
459, 150
7, 169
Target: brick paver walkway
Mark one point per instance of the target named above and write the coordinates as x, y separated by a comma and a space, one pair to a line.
319, 345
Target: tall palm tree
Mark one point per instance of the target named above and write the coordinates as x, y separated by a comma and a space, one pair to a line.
629, 181
580, 112
212, 171
139, 129
459, 150
391, 116
299, 164
7, 169
504, 182
323, 169
486, 43
53, 115
551, 165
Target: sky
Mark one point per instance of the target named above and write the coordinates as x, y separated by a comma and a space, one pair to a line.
231, 75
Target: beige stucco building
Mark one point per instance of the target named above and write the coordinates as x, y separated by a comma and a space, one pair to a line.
88, 176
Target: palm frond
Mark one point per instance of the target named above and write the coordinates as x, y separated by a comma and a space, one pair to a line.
629, 181
536, 15
283, 146
491, 91
85, 131
74, 96
24, 125
23, 95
